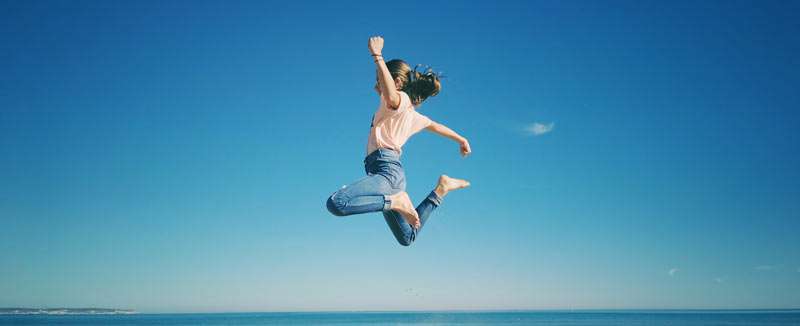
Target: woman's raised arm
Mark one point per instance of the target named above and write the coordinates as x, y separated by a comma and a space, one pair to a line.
387, 85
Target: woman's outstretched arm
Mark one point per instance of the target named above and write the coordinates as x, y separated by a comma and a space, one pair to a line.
387, 85
442, 130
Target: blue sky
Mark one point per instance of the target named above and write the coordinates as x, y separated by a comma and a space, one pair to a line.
177, 156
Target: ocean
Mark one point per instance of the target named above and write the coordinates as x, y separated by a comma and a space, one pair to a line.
570, 318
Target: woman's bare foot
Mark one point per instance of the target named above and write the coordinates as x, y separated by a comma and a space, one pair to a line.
447, 184
401, 203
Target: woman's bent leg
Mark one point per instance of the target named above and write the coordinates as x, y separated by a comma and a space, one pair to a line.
368, 194
403, 231
427, 206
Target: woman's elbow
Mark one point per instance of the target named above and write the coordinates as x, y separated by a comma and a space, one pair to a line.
434, 127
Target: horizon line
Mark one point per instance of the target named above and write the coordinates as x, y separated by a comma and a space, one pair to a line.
577, 310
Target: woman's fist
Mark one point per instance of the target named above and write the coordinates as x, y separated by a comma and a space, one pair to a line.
375, 45
464, 147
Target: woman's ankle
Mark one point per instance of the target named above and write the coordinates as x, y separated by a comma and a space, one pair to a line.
440, 191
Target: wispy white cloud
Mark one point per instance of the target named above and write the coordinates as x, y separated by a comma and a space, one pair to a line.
538, 129
672, 271
764, 267
719, 280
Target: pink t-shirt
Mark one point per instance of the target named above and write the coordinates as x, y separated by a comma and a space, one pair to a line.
392, 128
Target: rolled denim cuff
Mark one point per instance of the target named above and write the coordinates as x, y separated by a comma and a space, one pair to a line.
387, 203
434, 198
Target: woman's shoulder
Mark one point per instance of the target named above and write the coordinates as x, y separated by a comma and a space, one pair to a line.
405, 102
401, 93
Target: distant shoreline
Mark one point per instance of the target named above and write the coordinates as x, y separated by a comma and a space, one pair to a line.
66, 311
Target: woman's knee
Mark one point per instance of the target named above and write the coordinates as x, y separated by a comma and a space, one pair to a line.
335, 205
404, 242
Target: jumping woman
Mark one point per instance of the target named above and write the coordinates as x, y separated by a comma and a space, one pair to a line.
401, 90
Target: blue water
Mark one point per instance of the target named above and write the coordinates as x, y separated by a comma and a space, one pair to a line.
596, 318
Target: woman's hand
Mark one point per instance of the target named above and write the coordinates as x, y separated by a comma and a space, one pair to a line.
465, 150
375, 45
440, 129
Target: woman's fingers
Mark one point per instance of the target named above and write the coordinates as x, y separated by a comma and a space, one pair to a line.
375, 44
465, 149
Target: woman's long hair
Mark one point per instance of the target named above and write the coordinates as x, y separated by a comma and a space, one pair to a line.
419, 85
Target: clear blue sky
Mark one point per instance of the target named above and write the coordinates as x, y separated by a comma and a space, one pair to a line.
176, 156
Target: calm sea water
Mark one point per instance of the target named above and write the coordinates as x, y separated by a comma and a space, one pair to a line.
597, 318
